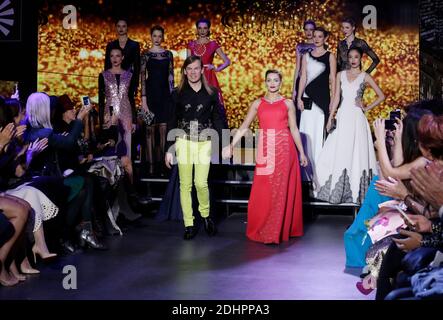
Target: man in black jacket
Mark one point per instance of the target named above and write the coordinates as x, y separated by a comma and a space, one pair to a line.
196, 121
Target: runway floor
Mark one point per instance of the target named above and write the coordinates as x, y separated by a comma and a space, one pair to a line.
152, 262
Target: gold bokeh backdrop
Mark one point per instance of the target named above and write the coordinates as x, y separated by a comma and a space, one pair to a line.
71, 60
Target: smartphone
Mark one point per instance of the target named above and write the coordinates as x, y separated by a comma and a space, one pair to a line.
111, 110
393, 115
404, 215
86, 101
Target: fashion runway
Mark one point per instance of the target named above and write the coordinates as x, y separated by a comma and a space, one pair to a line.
152, 262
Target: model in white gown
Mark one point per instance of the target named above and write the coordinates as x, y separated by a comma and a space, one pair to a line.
346, 164
312, 122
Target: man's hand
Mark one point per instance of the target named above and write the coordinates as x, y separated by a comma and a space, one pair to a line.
169, 159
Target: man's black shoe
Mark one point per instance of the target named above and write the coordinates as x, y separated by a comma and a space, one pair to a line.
190, 233
210, 227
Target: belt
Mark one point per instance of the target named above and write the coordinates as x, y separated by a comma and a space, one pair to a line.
195, 137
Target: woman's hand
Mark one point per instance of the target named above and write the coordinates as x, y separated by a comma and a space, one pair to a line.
20, 130
398, 130
413, 240
35, 148
379, 129
210, 67
392, 188
6, 134
329, 125
303, 160
300, 104
145, 106
83, 112
360, 104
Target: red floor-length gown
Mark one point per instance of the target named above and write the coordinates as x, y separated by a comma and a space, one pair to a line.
207, 52
275, 203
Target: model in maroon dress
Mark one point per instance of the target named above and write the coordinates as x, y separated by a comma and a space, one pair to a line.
275, 203
206, 50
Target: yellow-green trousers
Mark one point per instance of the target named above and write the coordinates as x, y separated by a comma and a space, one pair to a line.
190, 155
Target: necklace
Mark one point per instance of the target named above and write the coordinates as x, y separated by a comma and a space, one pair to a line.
199, 48
274, 100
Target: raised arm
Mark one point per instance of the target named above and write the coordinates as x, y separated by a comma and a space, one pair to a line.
401, 173
375, 59
380, 95
224, 57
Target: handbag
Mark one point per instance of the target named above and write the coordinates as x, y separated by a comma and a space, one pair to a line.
307, 102
146, 116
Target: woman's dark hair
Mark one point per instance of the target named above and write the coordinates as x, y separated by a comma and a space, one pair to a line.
270, 71
350, 20
121, 19
322, 30
184, 78
360, 52
325, 34
309, 21
157, 28
409, 139
204, 20
10, 108
116, 47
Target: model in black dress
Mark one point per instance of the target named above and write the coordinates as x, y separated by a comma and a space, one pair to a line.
157, 76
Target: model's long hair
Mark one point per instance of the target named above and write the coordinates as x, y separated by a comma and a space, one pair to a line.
184, 78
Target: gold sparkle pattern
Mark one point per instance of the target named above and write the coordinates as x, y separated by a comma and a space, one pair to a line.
71, 60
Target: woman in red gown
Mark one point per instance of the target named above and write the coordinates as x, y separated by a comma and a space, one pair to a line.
275, 203
206, 50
